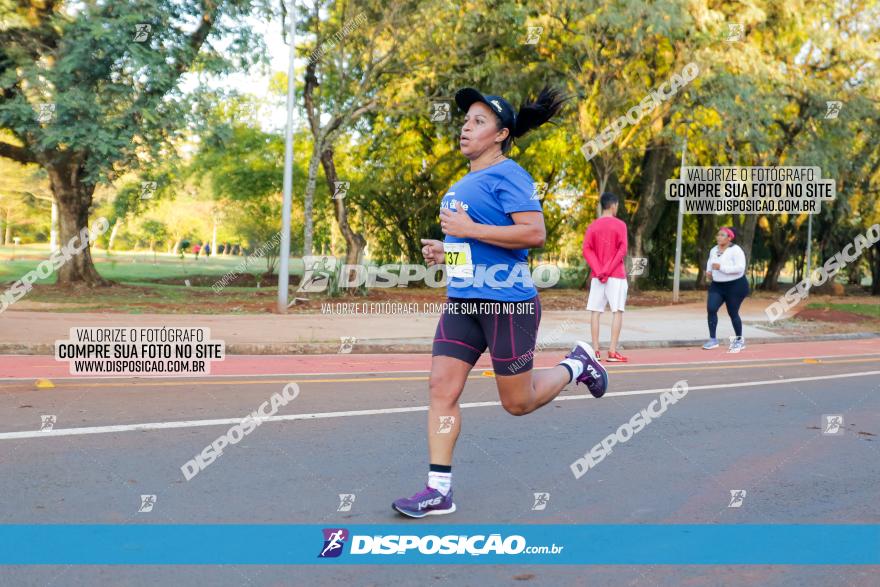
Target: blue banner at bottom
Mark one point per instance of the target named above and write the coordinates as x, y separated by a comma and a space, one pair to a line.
252, 544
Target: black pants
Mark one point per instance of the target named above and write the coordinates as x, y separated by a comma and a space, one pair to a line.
731, 294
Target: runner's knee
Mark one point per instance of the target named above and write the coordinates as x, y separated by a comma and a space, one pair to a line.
443, 390
516, 407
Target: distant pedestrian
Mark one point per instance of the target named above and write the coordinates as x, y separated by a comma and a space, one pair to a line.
207, 249
726, 269
196, 249
604, 250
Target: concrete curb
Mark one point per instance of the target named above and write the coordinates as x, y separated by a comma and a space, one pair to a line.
423, 345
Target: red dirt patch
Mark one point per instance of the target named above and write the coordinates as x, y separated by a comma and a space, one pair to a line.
829, 315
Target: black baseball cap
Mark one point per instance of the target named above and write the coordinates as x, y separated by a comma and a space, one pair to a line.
467, 96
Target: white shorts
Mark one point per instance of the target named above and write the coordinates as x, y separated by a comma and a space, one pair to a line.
612, 293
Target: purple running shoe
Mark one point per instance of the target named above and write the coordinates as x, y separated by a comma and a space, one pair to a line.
428, 502
594, 376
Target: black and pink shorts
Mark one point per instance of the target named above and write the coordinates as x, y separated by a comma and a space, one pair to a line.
509, 330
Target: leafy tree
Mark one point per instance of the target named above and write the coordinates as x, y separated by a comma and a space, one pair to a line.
241, 169
23, 194
155, 232
355, 48
88, 92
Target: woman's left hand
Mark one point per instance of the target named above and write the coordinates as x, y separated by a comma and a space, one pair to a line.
456, 223
716, 265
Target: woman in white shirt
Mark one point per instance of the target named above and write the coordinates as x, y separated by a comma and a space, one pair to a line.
726, 269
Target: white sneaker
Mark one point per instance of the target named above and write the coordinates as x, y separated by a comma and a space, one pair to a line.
737, 343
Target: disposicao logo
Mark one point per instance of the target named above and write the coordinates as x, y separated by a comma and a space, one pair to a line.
334, 540
432, 544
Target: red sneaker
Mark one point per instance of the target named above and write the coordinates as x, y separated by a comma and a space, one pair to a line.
615, 357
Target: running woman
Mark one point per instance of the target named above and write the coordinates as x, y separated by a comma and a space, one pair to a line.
491, 219
727, 270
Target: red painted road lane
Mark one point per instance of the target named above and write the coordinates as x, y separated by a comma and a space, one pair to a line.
42, 366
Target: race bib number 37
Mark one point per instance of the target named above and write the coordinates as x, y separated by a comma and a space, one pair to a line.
459, 262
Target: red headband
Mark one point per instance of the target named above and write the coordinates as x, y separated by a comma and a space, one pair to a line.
729, 232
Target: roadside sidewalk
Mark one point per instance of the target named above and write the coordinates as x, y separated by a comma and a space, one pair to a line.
684, 325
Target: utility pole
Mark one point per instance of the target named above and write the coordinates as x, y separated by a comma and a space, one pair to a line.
809, 250
288, 174
676, 279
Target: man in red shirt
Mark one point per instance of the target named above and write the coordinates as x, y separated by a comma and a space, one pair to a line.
604, 250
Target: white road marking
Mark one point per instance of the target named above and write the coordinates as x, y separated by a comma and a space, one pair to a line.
381, 411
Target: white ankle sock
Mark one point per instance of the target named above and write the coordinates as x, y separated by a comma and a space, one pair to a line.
576, 368
442, 482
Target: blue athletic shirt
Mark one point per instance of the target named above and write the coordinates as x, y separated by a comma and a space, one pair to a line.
490, 196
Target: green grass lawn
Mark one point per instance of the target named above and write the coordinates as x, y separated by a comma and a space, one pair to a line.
869, 310
134, 267
137, 290
159, 298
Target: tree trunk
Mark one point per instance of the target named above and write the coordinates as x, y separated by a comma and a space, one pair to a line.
74, 198
308, 203
705, 241
780, 241
53, 230
855, 274
214, 237
354, 242
270, 265
874, 264
176, 248
7, 237
658, 164
800, 266
113, 235
608, 181
774, 269
747, 238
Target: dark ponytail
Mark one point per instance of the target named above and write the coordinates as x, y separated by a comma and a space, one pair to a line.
534, 113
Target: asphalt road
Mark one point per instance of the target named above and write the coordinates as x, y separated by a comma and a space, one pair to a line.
751, 424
